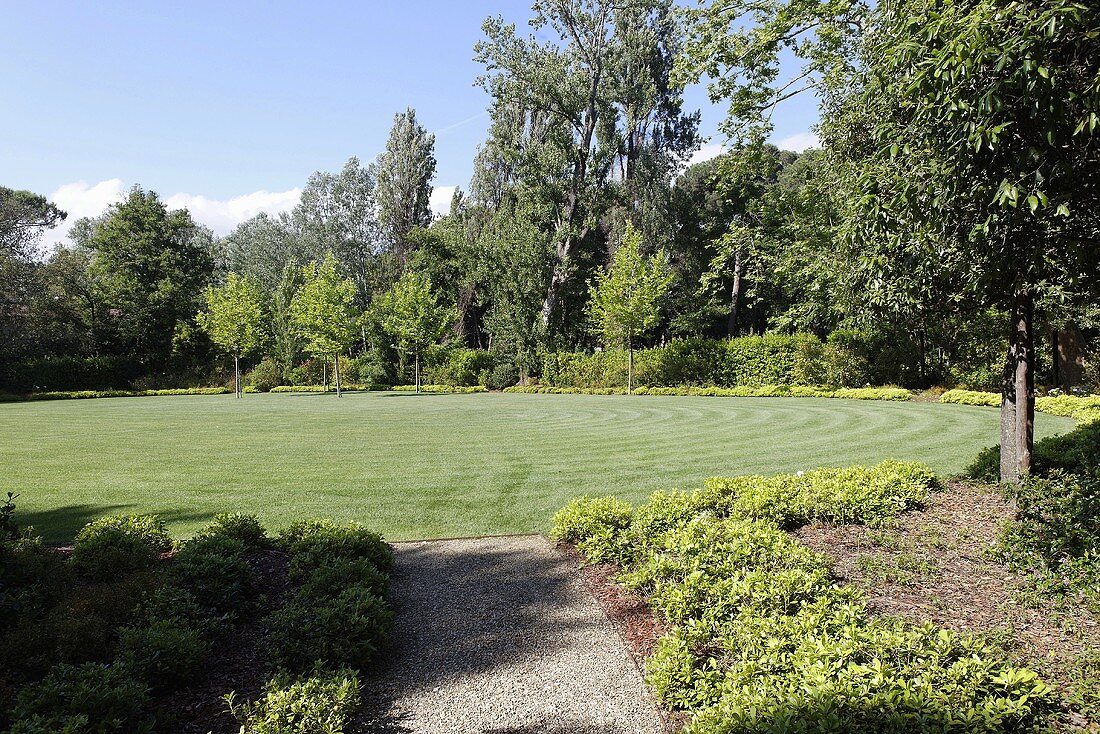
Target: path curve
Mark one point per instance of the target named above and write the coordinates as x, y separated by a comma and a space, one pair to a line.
497, 635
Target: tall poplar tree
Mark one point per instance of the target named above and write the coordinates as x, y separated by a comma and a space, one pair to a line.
405, 170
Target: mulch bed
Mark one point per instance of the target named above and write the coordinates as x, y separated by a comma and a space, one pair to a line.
933, 564
936, 564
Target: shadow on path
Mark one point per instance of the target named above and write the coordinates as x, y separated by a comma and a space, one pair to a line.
496, 635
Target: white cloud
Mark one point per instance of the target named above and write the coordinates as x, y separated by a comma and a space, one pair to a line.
222, 215
713, 150
440, 200
799, 142
80, 199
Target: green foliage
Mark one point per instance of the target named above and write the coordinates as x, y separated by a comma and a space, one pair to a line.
971, 397
265, 375
412, 316
32, 576
625, 300
763, 391
164, 654
320, 703
462, 368
234, 318
584, 517
405, 170
80, 624
323, 309
857, 494
92, 698
119, 544
343, 630
237, 526
752, 361
213, 569
313, 542
439, 389
1056, 535
761, 638
332, 575
1076, 452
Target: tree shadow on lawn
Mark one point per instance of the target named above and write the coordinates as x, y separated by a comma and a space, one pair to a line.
59, 525
474, 613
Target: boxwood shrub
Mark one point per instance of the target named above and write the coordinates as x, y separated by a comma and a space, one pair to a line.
312, 542
119, 544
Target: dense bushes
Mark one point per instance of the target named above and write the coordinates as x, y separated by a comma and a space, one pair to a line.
92, 697
765, 391
338, 615
1057, 533
118, 544
762, 640
102, 651
846, 359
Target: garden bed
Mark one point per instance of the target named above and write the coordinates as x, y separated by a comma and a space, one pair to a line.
230, 630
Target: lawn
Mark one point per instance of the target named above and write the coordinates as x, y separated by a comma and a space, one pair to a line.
418, 466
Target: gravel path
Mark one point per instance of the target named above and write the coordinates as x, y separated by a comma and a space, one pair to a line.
496, 635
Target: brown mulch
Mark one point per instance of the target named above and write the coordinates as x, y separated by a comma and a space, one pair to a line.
936, 564
236, 662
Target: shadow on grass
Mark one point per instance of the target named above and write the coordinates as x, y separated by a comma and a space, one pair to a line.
469, 612
59, 525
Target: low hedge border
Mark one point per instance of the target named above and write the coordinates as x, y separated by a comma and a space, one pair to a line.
765, 391
91, 394
1083, 409
761, 637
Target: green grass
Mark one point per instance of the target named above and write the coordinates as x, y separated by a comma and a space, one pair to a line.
438, 465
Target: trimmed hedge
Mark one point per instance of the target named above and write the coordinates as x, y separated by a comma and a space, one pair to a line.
846, 359
1081, 408
350, 387
441, 388
761, 639
91, 394
765, 391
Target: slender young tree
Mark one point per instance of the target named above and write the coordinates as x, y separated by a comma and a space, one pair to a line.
410, 312
235, 320
626, 299
323, 310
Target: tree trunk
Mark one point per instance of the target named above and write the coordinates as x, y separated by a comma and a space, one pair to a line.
336, 372
324, 375
1018, 393
237, 375
629, 366
735, 295
416, 371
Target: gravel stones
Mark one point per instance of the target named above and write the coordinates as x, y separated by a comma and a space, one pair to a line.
498, 635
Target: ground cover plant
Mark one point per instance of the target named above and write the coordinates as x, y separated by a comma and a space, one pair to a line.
118, 635
439, 465
761, 638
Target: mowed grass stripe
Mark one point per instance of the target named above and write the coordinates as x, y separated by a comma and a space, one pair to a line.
438, 465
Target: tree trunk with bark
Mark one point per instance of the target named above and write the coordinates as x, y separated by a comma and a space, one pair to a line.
237, 375
416, 371
336, 372
629, 366
735, 296
1018, 393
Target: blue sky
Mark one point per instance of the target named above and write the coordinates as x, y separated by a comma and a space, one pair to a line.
227, 107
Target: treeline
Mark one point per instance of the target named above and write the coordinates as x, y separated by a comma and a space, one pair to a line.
588, 149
